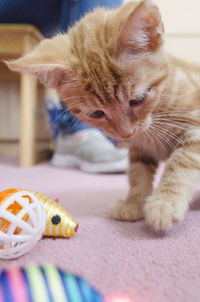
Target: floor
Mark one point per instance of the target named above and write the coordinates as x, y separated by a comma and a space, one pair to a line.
117, 258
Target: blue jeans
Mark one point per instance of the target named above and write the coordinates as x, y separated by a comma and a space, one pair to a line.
73, 10
51, 17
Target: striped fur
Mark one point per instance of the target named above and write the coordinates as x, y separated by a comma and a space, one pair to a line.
110, 58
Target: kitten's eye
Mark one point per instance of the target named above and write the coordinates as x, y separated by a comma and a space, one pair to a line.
140, 99
55, 219
137, 101
97, 114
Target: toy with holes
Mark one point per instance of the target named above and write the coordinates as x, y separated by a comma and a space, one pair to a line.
25, 216
22, 222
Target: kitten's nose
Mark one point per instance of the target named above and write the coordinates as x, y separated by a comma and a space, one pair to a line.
124, 128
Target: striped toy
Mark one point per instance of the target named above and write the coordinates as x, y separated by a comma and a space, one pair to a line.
44, 284
59, 222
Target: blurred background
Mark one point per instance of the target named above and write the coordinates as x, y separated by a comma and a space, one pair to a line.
22, 98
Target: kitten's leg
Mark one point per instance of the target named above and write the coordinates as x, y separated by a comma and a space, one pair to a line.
169, 202
140, 180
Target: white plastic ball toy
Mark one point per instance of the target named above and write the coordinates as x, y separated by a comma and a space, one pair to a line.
22, 222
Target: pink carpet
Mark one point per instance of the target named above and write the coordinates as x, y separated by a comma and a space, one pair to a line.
115, 257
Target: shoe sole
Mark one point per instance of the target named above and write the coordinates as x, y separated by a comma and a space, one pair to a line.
76, 162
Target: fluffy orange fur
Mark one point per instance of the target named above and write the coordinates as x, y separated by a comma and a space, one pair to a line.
112, 71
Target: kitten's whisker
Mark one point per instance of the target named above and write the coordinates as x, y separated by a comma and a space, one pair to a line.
70, 98
166, 118
149, 136
72, 121
171, 110
73, 104
71, 125
172, 114
59, 116
80, 116
181, 122
176, 118
164, 138
169, 134
157, 139
75, 124
161, 122
176, 114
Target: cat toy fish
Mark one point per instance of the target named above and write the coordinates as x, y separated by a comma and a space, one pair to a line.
59, 222
25, 216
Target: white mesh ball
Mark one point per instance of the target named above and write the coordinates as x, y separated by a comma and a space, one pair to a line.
20, 229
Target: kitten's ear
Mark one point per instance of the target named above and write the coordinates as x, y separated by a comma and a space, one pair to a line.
47, 62
143, 31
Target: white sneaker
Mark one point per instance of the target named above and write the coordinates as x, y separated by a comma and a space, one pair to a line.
90, 151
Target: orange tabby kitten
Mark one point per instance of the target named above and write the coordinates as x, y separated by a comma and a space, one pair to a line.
112, 70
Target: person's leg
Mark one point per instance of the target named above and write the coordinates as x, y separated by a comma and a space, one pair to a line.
45, 14
78, 8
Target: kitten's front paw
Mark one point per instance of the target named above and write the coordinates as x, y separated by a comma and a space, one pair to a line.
161, 214
128, 211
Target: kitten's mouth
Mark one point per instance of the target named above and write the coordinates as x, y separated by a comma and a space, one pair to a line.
128, 135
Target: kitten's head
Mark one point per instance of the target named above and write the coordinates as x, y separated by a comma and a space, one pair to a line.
109, 68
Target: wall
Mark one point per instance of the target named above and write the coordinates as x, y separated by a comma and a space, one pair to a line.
182, 26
